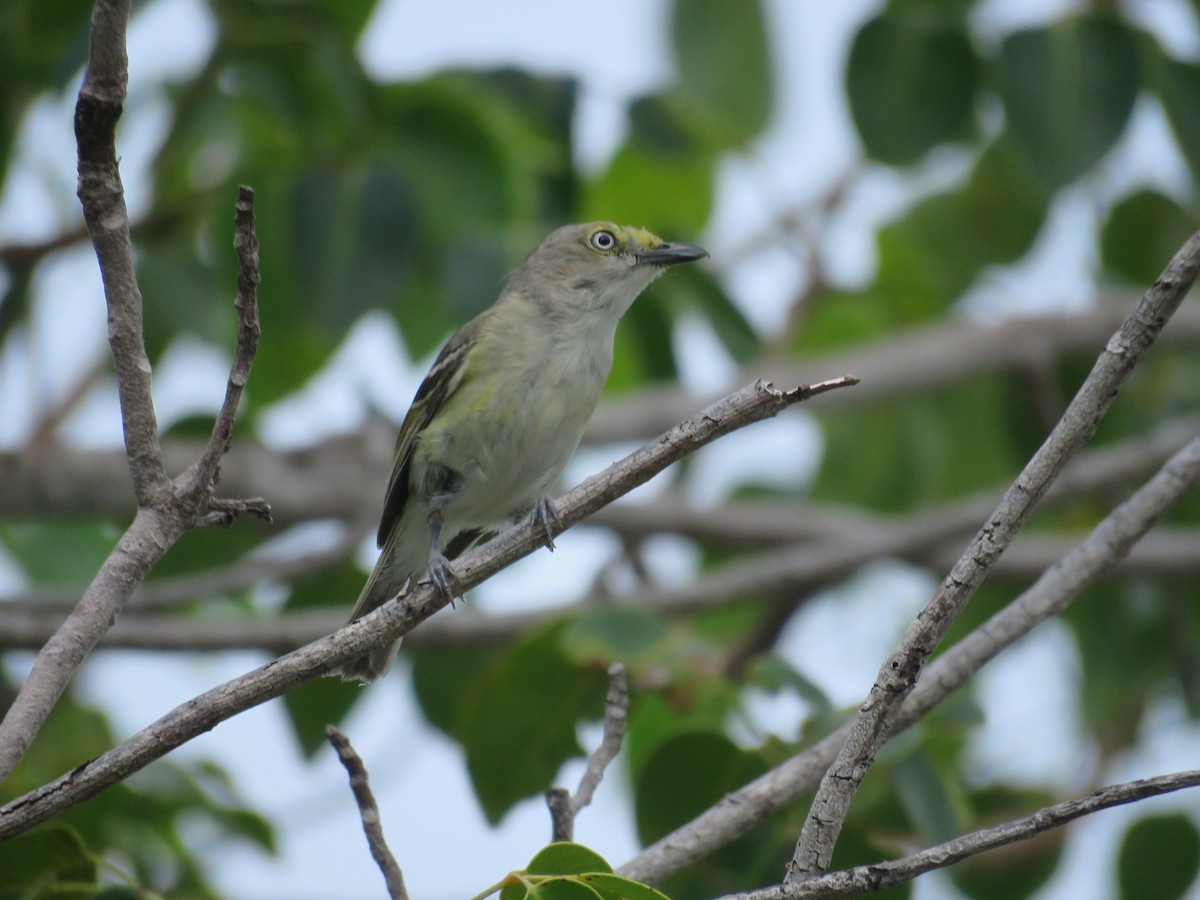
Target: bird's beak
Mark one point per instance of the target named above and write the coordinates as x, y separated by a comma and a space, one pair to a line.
668, 254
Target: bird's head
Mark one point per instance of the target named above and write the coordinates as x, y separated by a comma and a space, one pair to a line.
598, 265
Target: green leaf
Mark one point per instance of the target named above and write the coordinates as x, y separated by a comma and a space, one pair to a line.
566, 858
937, 250
924, 793
447, 684
685, 776
609, 633
670, 195
694, 287
521, 727
1142, 233
1159, 858
322, 701
724, 63
66, 554
1068, 90
1018, 870
771, 673
46, 856
911, 80
623, 887
1179, 90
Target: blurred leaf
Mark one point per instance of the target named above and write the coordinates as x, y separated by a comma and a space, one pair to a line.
926, 800
658, 718
447, 683
521, 727
43, 861
774, 674
670, 195
67, 553
724, 63
1159, 858
941, 445
1142, 233
695, 288
911, 81
1068, 90
1180, 93
322, 701
1014, 871
937, 250
607, 634
686, 775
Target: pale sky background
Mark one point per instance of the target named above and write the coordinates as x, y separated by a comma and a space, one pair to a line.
429, 814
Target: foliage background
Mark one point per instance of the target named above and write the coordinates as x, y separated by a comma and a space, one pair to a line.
857, 173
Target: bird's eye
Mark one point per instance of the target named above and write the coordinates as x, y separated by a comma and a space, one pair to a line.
603, 240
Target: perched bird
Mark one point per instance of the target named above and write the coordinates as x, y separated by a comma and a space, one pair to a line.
505, 405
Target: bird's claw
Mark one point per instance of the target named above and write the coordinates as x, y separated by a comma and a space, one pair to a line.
545, 516
441, 576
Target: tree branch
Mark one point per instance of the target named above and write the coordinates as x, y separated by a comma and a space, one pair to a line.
740, 811
165, 509
882, 875
368, 811
396, 618
102, 195
899, 673
564, 807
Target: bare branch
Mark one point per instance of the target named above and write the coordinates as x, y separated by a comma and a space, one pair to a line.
565, 807
900, 671
878, 876
101, 101
164, 510
396, 618
201, 477
368, 811
740, 811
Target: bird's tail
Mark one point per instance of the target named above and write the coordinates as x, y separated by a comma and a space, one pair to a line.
395, 566
379, 589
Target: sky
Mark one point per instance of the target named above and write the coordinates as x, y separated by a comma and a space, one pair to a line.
429, 814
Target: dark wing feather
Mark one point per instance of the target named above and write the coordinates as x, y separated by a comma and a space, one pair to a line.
439, 386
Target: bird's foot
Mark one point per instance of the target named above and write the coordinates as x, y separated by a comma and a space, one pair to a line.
545, 516
441, 576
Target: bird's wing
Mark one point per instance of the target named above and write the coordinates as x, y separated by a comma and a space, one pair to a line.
438, 387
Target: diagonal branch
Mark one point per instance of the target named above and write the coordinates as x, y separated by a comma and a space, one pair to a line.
741, 810
882, 875
899, 672
392, 620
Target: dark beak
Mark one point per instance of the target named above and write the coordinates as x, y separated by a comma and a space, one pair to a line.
668, 254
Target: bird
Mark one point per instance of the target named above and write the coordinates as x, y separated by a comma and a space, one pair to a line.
504, 407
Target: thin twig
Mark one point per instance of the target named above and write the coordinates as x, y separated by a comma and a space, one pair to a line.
881, 875
563, 806
368, 811
394, 619
740, 811
899, 672
203, 475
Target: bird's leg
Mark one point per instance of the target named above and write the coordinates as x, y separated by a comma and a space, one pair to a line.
441, 576
543, 515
